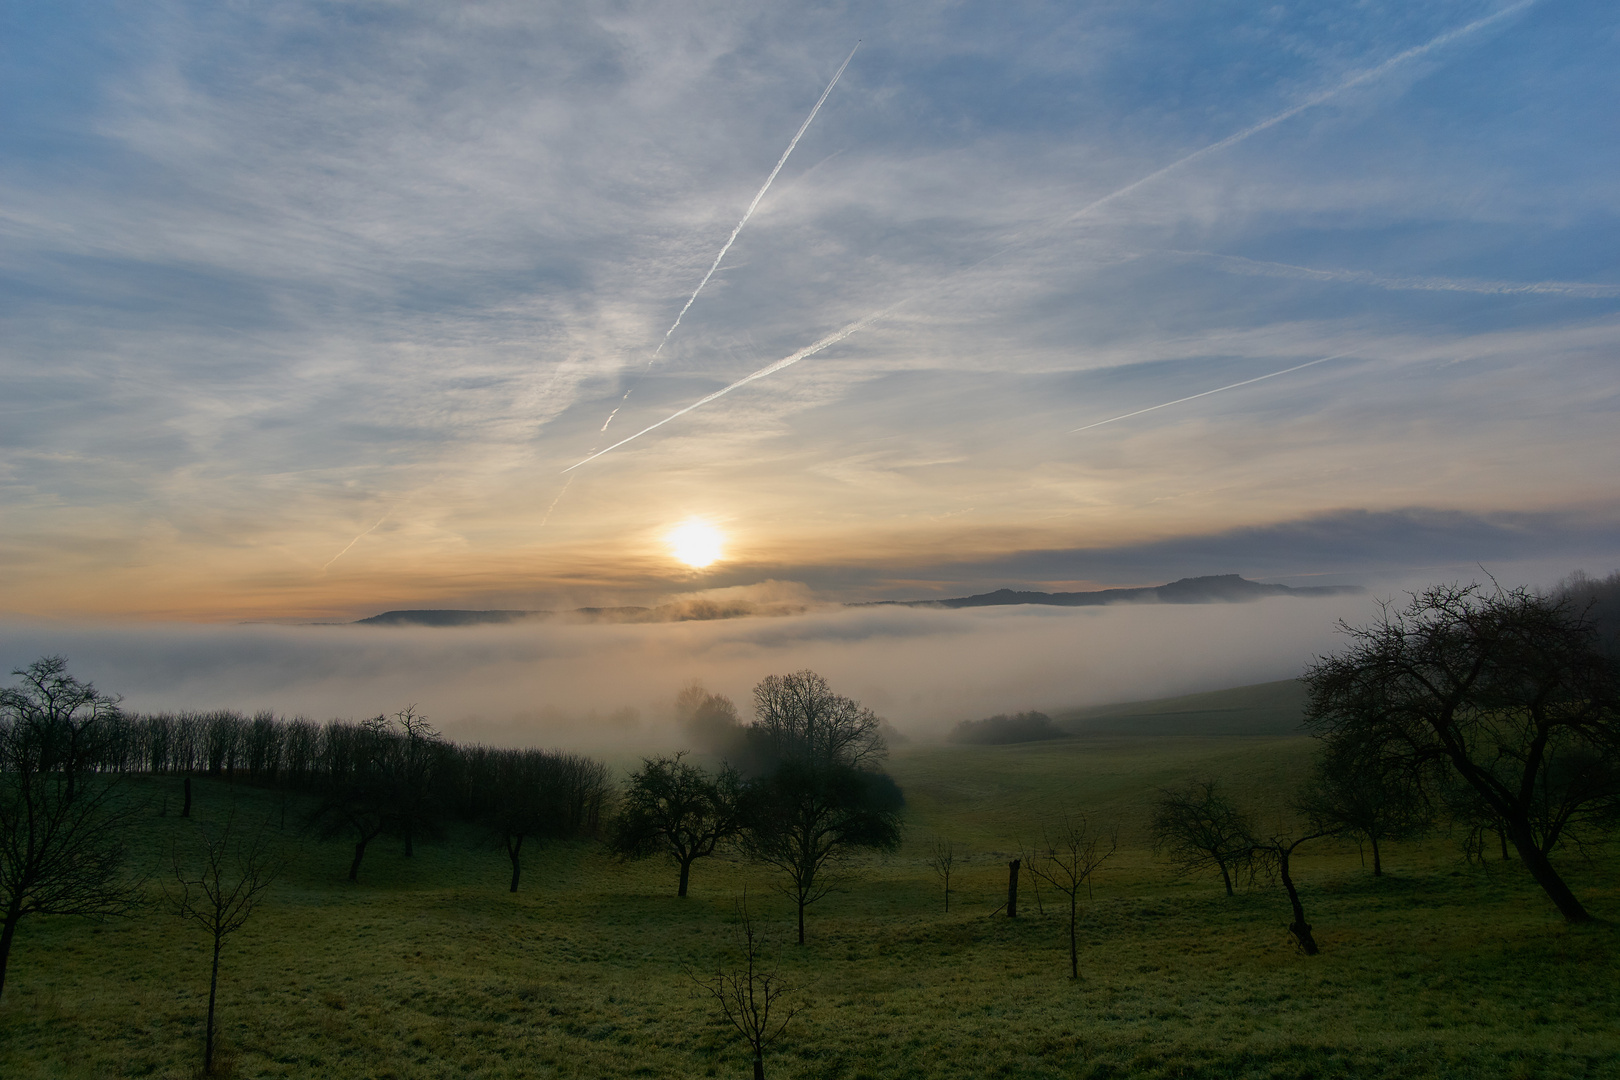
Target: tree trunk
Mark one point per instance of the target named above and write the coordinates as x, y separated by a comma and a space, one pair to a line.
213, 991
759, 1065
1502, 837
7, 933
1541, 868
185, 811
1012, 888
1074, 947
513, 852
686, 873
1299, 928
359, 853
1226, 877
1378, 866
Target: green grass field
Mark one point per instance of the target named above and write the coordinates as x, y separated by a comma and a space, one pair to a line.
430, 968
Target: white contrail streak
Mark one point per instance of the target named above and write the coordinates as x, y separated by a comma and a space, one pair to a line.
356, 540
1315, 99
770, 369
555, 501
1253, 129
1206, 393
1239, 265
781, 161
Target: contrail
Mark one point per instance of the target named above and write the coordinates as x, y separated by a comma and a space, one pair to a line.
1239, 265
1237, 137
781, 161
555, 501
357, 539
1206, 393
1315, 99
787, 361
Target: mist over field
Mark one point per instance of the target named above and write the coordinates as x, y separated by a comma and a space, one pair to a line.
601, 686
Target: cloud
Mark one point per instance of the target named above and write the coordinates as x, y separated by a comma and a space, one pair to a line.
268, 272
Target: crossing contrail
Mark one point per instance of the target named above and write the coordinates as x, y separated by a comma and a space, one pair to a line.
1238, 265
770, 369
755, 204
1206, 393
1315, 99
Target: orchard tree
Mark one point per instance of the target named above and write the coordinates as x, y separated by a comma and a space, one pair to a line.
1198, 827
942, 861
1493, 689
1068, 859
675, 808
356, 800
1348, 792
754, 998
218, 886
816, 794
61, 825
1274, 854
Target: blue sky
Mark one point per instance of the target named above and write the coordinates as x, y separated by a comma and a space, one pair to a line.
305, 308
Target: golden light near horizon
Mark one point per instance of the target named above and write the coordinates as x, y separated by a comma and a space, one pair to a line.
696, 543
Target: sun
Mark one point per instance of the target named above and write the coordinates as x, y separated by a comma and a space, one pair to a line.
695, 543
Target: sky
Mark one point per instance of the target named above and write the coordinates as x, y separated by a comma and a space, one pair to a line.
312, 310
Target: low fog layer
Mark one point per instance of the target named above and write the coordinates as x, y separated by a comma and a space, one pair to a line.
603, 686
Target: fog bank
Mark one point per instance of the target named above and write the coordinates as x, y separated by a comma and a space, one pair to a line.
607, 686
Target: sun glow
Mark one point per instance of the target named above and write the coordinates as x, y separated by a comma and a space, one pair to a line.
695, 543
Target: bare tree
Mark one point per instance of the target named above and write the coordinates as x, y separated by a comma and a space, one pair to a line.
1348, 792
220, 893
416, 749
61, 826
798, 717
1494, 690
676, 808
1198, 827
355, 798
942, 860
542, 795
1274, 853
816, 794
754, 999
1068, 859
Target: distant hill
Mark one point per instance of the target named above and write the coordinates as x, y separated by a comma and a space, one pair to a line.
1273, 708
1213, 589
448, 617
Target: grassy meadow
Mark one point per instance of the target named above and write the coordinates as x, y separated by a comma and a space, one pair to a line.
429, 967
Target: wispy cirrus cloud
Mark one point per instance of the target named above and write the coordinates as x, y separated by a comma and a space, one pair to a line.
268, 272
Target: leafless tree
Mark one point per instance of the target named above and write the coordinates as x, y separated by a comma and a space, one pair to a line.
1198, 827
754, 999
816, 793
218, 890
61, 826
1347, 792
1069, 857
413, 752
1507, 692
942, 860
1274, 854
800, 718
